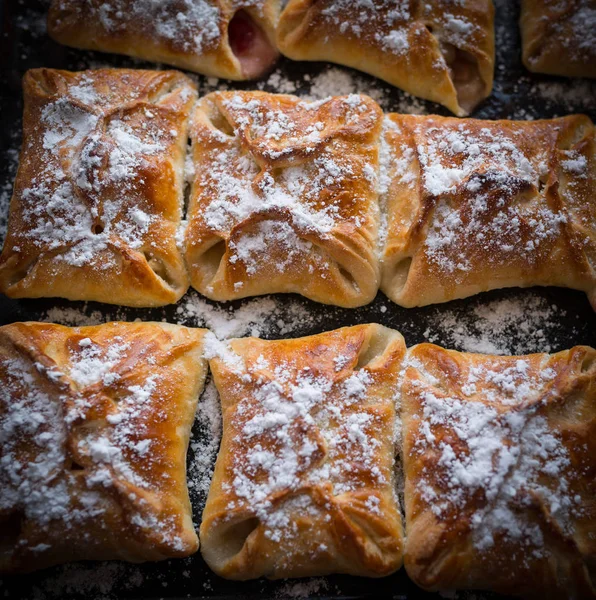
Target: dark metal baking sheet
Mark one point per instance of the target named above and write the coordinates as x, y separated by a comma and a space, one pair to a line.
514, 321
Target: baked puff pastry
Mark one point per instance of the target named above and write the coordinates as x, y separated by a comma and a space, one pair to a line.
284, 197
477, 205
98, 197
500, 471
94, 426
222, 38
304, 480
439, 50
558, 37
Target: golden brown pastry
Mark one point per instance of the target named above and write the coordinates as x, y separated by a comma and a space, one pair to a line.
98, 197
222, 38
559, 37
439, 50
500, 471
304, 480
476, 205
284, 197
94, 427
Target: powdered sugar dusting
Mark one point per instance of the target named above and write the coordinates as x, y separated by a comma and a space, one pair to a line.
521, 325
100, 581
499, 447
299, 428
190, 26
86, 199
279, 179
67, 449
256, 317
204, 445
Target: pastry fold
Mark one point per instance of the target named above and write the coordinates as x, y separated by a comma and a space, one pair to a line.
440, 50
304, 482
284, 198
221, 38
475, 205
98, 196
558, 37
499, 456
95, 423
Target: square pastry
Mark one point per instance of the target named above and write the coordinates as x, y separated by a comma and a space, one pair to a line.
99, 193
559, 37
499, 458
440, 50
476, 205
222, 38
284, 197
94, 428
304, 482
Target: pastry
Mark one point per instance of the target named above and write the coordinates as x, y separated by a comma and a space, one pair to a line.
439, 50
98, 197
221, 38
304, 480
559, 37
476, 205
499, 458
94, 427
284, 197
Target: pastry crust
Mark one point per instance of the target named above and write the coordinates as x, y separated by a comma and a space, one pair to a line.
95, 425
284, 197
500, 470
304, 480
98, 197
440, 50
222, 38
559, 37
478, 205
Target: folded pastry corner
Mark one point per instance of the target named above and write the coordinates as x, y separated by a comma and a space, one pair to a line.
219, 38
499, 455
95, 425
441, 51
284, 197
559, 37
99, 192
304, 482
475, 205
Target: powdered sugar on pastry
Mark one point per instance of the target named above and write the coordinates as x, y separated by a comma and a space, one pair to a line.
490, 443
279, 182
304, 437
101, 187
84, 435
56, 214
191, 25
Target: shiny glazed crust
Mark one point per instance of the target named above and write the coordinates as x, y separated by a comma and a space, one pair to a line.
558, 37
500, 467
95, 426
190, 35
437, 50
284, 197
304, 480
478, 205
98, 196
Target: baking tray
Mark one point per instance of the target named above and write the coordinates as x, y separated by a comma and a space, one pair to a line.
503, 321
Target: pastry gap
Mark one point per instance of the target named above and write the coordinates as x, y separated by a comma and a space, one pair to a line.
376, 347
399, 274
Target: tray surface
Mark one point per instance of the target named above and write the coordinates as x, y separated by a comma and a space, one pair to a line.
503, 322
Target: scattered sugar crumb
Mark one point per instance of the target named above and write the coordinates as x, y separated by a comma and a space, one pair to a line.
256, 317
102, 580
303, 589
521, 325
